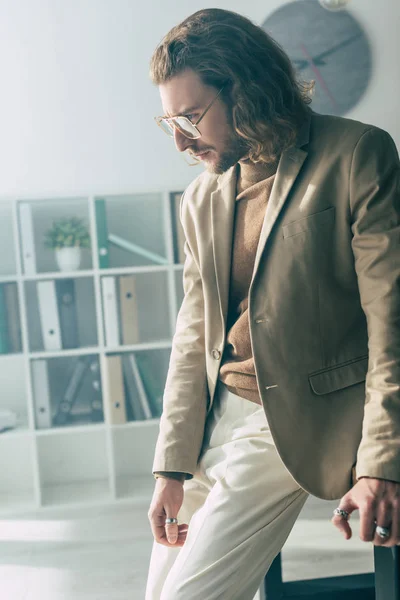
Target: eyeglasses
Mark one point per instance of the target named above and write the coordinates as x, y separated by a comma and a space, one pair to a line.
183, 124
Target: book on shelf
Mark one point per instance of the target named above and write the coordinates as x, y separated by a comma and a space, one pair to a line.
139, 403
67, 310
41, 394
129, 309
102, 233
27, 238
115, 390
177, 229
49, 318
111, 313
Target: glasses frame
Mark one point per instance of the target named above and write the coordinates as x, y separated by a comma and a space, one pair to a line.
171, 123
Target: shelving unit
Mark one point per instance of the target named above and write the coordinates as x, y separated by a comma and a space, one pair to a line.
80, 437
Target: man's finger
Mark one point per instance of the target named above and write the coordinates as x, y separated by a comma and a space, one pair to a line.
368, 512
383, 519
341, 522
171, 529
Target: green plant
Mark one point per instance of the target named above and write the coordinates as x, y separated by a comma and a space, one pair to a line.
67, 233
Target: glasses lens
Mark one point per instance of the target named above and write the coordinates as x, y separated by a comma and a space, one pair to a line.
165, 126
186, 127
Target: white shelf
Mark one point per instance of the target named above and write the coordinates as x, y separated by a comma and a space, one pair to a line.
58, 275
16, 502
64, 353
69, 429
135, 347
76, 493
93, 462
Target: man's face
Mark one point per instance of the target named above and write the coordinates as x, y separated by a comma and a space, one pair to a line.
219, 147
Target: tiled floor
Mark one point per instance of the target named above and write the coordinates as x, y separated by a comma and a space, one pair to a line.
102, 553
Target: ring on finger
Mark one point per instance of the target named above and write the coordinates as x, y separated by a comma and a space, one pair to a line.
382, 532
339, 512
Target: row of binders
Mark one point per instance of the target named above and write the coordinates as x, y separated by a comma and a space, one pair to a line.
59, 318
133, 391
78, 401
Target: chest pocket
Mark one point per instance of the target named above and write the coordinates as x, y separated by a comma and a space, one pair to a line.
314, 223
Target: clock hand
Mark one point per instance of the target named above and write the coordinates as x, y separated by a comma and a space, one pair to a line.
318, 60
318, 75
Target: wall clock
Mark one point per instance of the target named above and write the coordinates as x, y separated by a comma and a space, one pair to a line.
328, 47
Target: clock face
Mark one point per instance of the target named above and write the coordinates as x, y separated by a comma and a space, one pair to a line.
328, 47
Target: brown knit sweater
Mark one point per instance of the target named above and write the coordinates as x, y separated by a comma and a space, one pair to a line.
253, 189
254, 185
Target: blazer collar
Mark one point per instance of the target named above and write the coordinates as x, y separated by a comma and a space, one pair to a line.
223, 210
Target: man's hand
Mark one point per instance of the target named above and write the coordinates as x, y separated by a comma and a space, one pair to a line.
378, 501
166, 502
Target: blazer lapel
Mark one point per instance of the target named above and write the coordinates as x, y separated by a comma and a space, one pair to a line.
222, 218
223, 212
288, 169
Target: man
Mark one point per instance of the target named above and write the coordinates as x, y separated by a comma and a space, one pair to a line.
284, 377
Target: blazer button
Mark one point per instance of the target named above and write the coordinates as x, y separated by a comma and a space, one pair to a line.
216, 354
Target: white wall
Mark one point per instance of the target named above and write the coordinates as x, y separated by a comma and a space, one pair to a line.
77, 106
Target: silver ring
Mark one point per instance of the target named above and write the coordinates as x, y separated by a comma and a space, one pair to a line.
339, 512
383, 532
170, 520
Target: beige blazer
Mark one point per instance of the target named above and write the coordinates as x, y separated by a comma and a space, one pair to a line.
324, 310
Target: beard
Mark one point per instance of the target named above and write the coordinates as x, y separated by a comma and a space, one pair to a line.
235, 149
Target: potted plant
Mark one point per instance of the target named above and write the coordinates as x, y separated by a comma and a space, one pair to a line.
67, 237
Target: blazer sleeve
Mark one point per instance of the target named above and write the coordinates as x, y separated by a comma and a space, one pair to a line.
186, 391
375, 212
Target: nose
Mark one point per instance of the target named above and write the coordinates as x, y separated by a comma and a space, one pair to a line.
182, 142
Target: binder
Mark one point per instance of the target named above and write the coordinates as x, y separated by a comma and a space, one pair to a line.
135, 409
4, 338
102, 233
116, 392
153, 382
129, 309
110, 306
67, 309
27, 238
95, 396
48, 311
14, 321
71, 392
142, 399
177, 229
41, 394
88, 405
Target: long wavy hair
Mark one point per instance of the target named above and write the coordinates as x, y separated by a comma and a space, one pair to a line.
266, 103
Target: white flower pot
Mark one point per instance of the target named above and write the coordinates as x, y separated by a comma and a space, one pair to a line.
68, 259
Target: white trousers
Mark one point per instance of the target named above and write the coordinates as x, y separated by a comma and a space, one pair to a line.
240, 506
